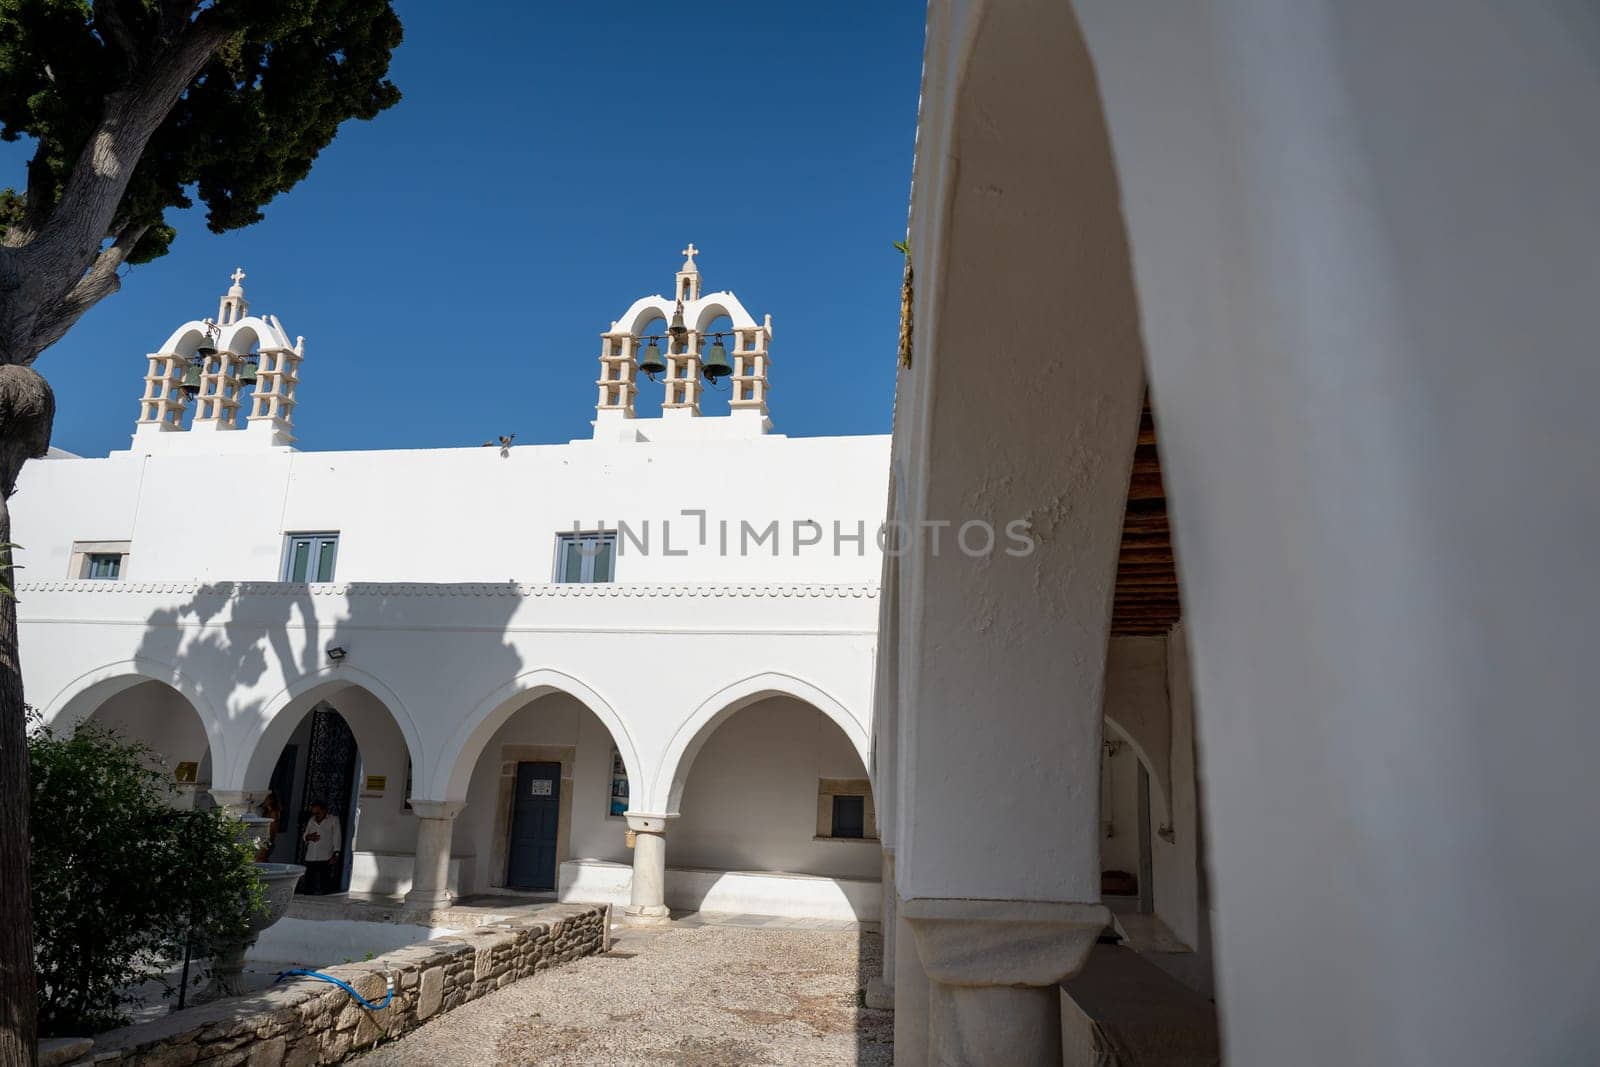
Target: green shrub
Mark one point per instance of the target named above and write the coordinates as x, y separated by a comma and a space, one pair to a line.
120, 878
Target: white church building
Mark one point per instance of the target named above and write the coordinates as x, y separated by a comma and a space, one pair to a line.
586, 668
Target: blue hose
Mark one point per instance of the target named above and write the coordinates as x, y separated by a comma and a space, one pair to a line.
346, 986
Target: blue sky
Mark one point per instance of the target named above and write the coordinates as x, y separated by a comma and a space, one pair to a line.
453, 263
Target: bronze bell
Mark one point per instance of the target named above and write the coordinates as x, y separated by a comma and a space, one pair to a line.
716, 364
191, 381
651, 362
247, 373
205, 349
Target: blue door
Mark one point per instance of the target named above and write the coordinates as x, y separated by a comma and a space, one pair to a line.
535, 817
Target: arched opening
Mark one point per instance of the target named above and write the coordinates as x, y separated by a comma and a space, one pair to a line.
652, 331
162, 719
713, 331
775, 814
547, 784
338, 745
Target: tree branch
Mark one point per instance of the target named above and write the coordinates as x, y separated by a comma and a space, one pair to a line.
108, 19
67, 244
97, 283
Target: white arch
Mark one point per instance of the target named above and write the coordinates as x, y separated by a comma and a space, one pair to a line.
275, 728
449, 780
1159, 786
643, 310
79, 698
185, 338
696, 312
701, 312
693, 732
259, 330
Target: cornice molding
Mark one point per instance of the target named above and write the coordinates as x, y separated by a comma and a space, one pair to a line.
559, 591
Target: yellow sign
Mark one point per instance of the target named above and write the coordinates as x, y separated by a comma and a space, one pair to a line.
186, 772
375, 785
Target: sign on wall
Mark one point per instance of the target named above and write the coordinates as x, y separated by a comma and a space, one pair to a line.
374, 785
539, 787
186, 772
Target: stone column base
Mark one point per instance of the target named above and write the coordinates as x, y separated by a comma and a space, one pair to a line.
994, 966
646, 915
880, 994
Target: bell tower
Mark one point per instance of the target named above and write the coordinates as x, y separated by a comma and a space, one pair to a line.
684, 359
234, 376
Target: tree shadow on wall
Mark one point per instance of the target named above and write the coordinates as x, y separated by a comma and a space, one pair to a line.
233, 640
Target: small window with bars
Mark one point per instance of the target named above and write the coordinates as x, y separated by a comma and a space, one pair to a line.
310, 557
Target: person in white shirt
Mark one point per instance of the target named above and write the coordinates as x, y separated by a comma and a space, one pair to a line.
322, 838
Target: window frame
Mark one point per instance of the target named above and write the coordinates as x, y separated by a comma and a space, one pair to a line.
827, 790
315, 539
568, 541
84, 554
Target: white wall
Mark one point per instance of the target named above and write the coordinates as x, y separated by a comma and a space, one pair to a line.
465, 514
750, 802
162, 719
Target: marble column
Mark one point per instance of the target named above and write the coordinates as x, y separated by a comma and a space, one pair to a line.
430, 878
994, 967
647, 900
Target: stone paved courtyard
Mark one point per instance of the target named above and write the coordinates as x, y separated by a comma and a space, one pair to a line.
702, 991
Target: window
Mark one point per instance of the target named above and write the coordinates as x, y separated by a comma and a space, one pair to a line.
586, 557
844, 810
849, 816
618, 804
101, 561
310, 557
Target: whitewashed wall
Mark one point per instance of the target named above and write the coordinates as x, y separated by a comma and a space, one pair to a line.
464, 514
750, 803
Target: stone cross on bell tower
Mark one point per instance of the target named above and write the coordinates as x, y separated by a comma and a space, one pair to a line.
234, 306
689, 275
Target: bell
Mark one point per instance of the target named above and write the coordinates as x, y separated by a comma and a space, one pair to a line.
651, 362
191, 381
205, 349
678, 330
716, 363
247, 374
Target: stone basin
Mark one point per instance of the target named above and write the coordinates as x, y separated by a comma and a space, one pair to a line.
278, 881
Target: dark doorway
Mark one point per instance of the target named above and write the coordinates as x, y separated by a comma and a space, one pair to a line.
331, 769
535, 823
283, 778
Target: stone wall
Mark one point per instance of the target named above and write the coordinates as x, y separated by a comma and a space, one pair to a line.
305, 1021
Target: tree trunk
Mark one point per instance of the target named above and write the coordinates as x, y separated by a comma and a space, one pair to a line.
27, 409
18, 999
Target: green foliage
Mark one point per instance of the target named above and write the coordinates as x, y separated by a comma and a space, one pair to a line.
120, 878
248, 127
